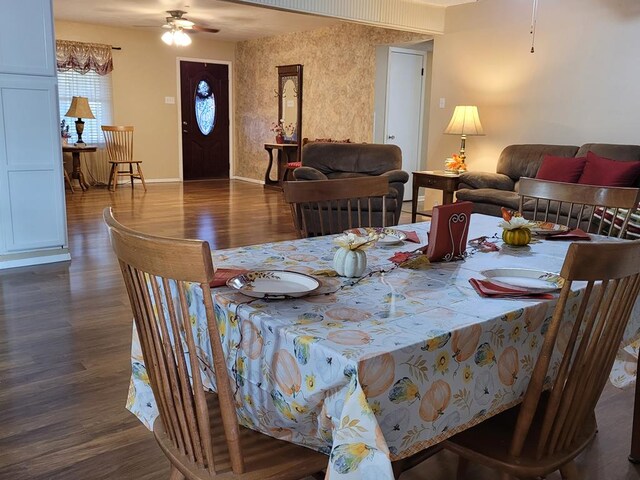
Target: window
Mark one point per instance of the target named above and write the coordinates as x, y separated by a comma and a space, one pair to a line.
205, 107
97, 88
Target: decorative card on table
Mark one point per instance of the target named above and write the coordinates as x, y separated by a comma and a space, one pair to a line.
448, 232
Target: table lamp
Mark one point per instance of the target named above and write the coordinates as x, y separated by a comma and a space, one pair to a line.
80, 109
465, 121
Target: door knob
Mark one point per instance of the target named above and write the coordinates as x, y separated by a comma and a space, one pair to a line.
185, 131
391, 137
184, 123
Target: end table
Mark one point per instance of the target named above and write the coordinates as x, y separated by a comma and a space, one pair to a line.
438, 180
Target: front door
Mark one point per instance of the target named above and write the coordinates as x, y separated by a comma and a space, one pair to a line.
404, 107
205, 120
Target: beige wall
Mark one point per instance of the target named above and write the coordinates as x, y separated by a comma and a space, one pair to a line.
338, 86
144, 73
581, 85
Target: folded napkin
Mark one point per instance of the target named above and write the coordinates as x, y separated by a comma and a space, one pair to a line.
576, 234
411, 236
223, 274
488, 289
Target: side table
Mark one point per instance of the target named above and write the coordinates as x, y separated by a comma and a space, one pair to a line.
438, 180
286, 152
75, 151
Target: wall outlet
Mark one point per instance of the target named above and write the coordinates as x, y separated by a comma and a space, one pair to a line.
170, 100
442, 102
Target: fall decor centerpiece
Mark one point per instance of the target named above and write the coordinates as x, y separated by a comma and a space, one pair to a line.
516, 229
455, 163
350, 260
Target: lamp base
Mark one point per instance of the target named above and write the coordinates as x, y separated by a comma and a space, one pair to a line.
79, 130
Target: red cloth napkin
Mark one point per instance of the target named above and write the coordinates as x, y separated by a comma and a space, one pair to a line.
576, 234
223, 274
488, 289
411, 236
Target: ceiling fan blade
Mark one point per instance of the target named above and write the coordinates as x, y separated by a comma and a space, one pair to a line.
198, 28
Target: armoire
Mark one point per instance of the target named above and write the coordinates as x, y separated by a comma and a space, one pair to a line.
32, 203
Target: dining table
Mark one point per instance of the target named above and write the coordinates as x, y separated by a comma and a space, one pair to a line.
375, 369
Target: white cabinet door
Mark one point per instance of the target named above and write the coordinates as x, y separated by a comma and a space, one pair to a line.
32, 212
26, 38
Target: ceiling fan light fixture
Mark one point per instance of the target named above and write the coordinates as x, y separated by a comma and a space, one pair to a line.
176, 37
167, 37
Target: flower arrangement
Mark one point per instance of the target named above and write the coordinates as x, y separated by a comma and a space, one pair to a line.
455, 163
516, 229
351, 241
277, 128
64, 129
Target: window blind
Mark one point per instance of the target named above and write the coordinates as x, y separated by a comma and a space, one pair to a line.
97, 88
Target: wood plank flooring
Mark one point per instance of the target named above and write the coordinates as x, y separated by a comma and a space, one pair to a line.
65, 337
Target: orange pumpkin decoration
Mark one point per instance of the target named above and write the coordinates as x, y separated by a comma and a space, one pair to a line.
517, 237
534, 316
435, 401
465, 341
508, 366
252, 341
376, 374
286, 372
349, 337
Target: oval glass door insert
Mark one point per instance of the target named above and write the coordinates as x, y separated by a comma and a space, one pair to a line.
205, 107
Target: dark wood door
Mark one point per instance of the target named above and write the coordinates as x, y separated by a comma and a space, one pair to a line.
205, 120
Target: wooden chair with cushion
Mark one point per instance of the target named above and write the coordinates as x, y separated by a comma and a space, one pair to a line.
119, 142
550, 428
324, 207
579, 206
198, 432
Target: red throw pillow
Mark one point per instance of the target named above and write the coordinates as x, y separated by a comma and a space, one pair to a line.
561, 169
605, 172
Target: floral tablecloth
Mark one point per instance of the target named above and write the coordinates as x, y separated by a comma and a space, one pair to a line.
382, 369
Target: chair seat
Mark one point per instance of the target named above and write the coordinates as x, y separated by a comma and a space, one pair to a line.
125, 161
488, 444
265, 458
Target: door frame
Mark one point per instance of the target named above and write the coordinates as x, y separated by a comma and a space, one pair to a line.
231, 111
422, 54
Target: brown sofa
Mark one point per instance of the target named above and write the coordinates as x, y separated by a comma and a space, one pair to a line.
491, 191
322, 161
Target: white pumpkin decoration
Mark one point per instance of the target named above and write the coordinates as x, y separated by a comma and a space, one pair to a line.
350, 263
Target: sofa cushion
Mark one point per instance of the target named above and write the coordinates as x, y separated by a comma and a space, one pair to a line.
486, 180
612, 151
501, 198
609, 173
370, 159
561, 169
524, 160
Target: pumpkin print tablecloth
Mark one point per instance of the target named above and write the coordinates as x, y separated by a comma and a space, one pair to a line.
380, 369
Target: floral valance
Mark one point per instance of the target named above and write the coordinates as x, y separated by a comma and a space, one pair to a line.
83, 57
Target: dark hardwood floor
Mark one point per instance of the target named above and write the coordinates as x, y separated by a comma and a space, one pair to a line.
65, 337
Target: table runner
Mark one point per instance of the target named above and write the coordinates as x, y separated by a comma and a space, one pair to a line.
381, 369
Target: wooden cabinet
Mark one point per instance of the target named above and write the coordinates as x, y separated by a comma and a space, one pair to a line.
32, 208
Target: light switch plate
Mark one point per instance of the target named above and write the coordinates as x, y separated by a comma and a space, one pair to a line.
442, 102
170, 100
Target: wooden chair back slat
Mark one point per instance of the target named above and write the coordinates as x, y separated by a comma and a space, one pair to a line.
548, 197
340, 198
612, 273
157, 272
119, 143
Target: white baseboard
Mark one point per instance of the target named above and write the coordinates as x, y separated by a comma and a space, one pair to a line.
38, 257
246, 179
162, 180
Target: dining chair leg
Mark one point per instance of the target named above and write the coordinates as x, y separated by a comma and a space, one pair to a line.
113, 166
131, 174
68, 180
176, 474
141, 176
569, 471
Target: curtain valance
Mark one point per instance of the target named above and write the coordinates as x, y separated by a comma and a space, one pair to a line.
83, 57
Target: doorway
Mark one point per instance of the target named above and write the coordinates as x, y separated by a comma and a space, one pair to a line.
204, 120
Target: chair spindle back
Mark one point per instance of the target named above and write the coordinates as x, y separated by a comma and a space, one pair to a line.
119, 142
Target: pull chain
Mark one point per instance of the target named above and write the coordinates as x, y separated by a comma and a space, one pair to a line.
534, 17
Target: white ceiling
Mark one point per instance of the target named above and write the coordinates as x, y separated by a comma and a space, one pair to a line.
236, 21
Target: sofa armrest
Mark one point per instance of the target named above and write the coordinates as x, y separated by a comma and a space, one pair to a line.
487, 180
396, 176
308, 173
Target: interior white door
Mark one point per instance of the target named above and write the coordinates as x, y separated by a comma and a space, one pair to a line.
405, 91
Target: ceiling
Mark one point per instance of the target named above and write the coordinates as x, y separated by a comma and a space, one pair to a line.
236, 22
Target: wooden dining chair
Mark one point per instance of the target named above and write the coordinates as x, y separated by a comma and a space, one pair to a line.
549, 428
119, 141
198, 432
324, 207
579, 206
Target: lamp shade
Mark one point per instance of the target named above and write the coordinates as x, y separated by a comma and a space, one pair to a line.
79, 108
465, 121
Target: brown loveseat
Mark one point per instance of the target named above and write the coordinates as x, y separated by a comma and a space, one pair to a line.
490, 191
322, 161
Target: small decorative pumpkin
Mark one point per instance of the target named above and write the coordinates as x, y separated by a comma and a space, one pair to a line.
350, 263
517, 237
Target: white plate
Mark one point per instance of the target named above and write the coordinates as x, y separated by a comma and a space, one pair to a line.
273, 284
548, 228
533, 280
388, 236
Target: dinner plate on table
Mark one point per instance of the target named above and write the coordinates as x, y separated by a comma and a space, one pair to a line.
388, 236
273, 284
536, 281
548, 228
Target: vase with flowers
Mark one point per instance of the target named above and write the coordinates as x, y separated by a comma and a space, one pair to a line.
516, 229
278, 130
455, 163
64, 132
350, 260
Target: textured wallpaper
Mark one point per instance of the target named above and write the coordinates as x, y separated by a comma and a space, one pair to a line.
338, 86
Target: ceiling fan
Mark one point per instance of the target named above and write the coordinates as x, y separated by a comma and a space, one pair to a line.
177, 26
